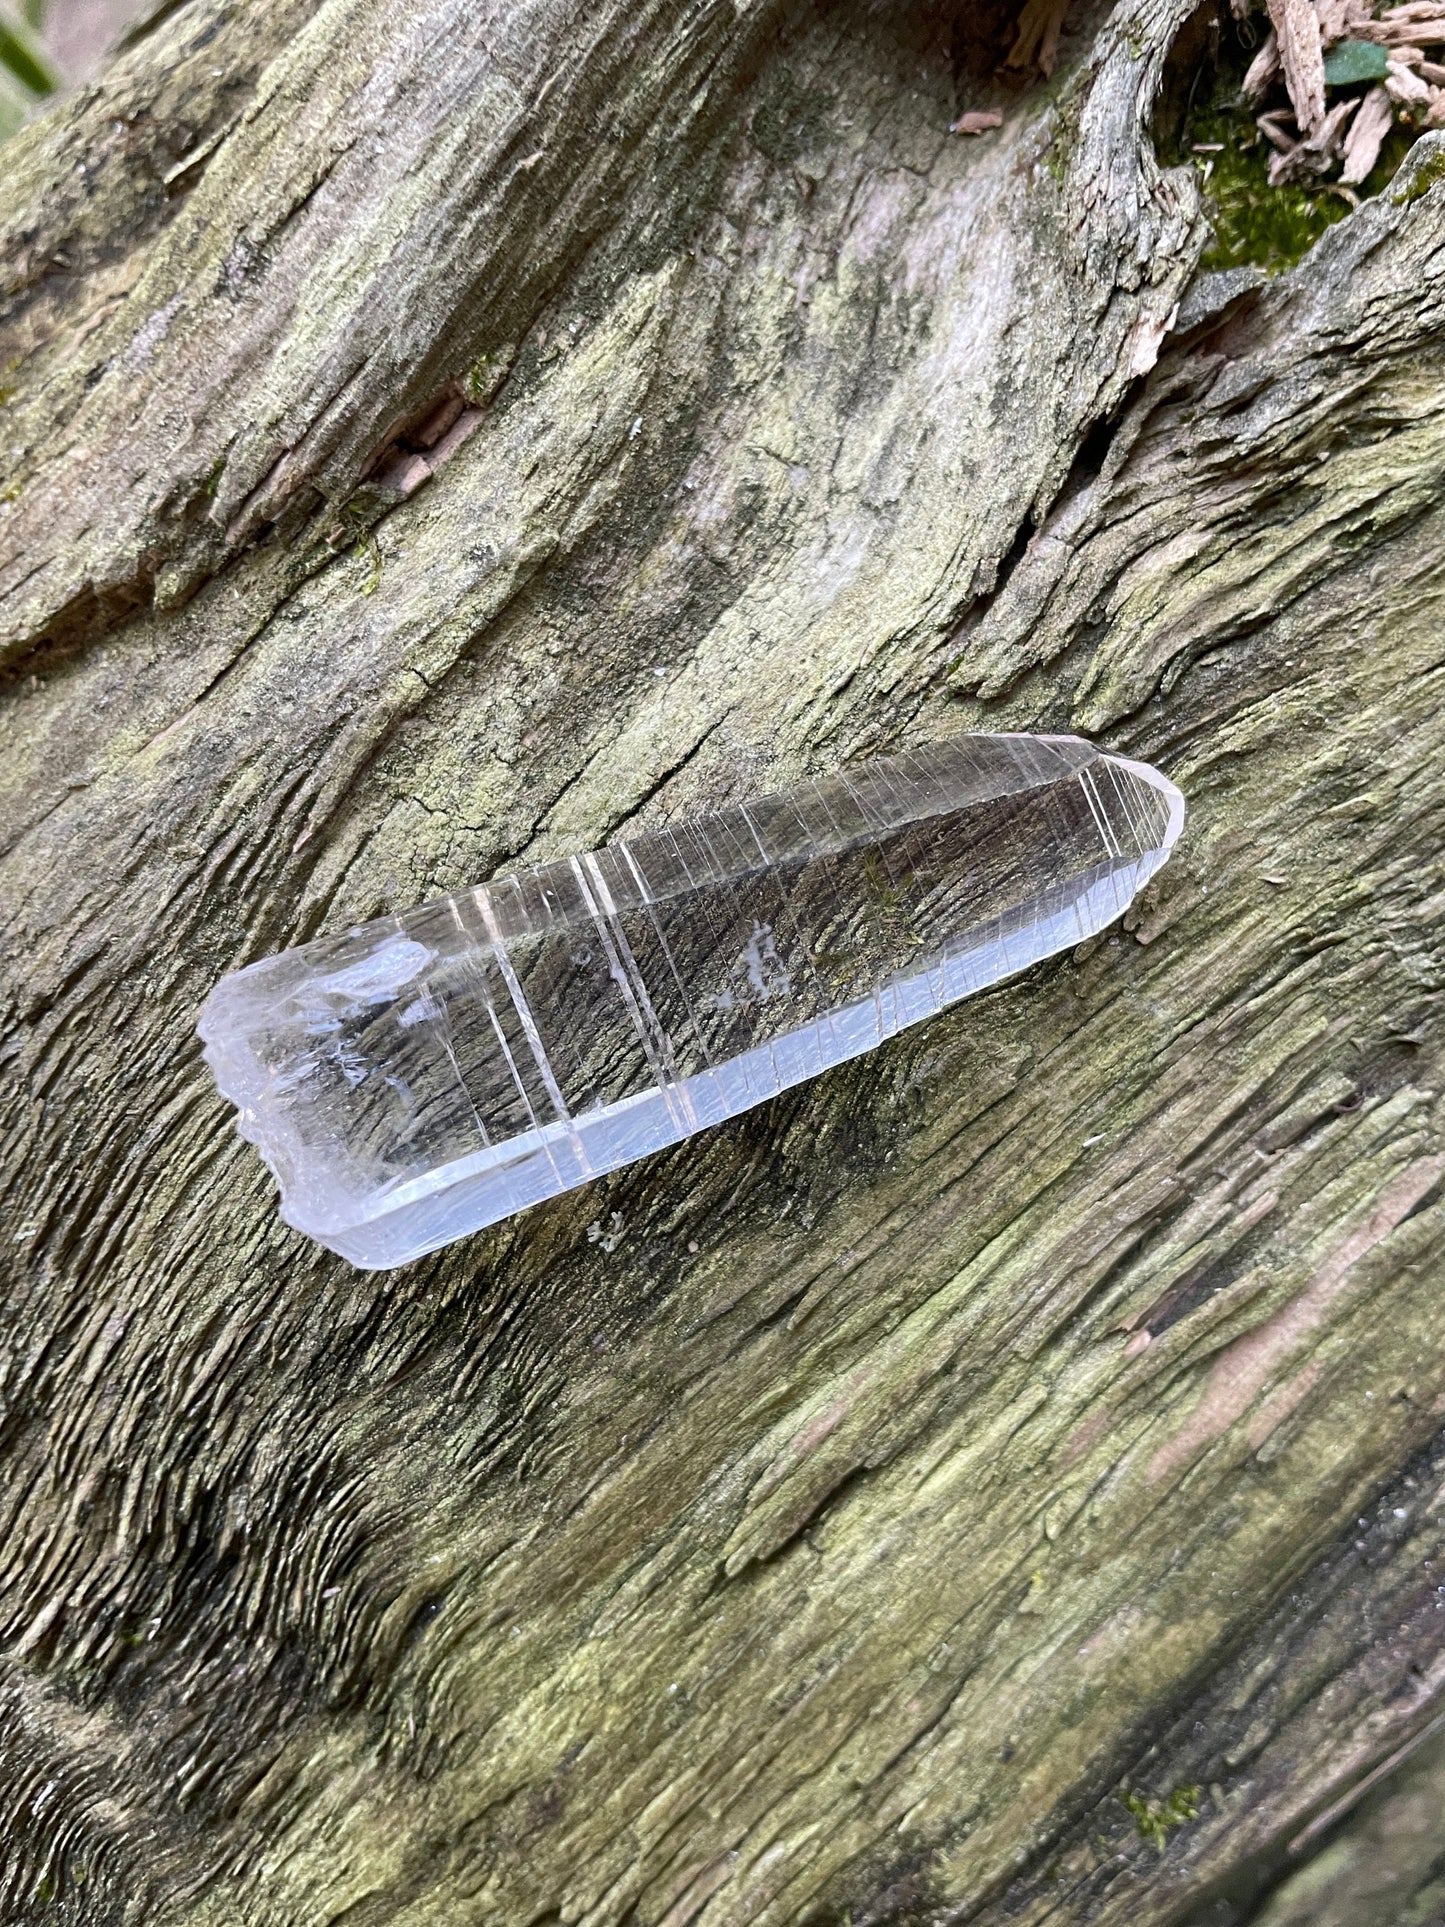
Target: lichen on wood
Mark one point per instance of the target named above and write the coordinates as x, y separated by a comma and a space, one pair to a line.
827, 1520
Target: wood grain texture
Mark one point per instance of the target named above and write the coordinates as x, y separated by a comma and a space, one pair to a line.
822, 1521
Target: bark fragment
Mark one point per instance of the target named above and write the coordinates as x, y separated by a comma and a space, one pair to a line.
1297, 28
979, 121
1366, 136
1337, 19
1404, 86
1263, 70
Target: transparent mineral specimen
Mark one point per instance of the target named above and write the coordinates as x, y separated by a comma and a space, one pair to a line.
424, 1075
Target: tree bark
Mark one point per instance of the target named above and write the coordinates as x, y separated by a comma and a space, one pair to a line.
1002, 1481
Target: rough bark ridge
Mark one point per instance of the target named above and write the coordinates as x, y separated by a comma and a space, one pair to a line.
438, 437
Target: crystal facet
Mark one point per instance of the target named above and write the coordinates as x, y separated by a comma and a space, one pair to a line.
425, 1075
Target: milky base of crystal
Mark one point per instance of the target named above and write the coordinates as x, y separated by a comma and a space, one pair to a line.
425, 1075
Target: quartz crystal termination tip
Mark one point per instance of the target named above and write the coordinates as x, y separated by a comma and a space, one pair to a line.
421, 1076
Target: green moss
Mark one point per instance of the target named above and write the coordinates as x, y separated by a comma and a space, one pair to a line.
1255, 225
1155, 1819
1424, 177
1271, 227
486, 375
1068, 109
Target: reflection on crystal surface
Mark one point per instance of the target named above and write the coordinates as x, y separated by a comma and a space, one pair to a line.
424, 1075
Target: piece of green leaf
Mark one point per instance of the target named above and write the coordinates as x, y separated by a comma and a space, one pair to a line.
1355, 60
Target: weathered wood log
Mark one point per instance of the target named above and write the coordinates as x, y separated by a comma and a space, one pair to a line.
999, 1481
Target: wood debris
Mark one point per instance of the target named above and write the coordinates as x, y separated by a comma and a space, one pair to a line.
1272, 127
1404, 34
1337, 19
1037, 42
1330, 137
1301, 55
1319, 154
1406, 88
979, 121
1263, 70
1033, 54
1366, 136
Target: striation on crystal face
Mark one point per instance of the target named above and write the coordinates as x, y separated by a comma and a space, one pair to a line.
427, 1074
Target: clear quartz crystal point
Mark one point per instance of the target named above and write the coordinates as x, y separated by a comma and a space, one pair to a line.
425, 1075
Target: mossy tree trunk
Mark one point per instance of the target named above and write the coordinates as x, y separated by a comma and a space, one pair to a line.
1000, 1481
